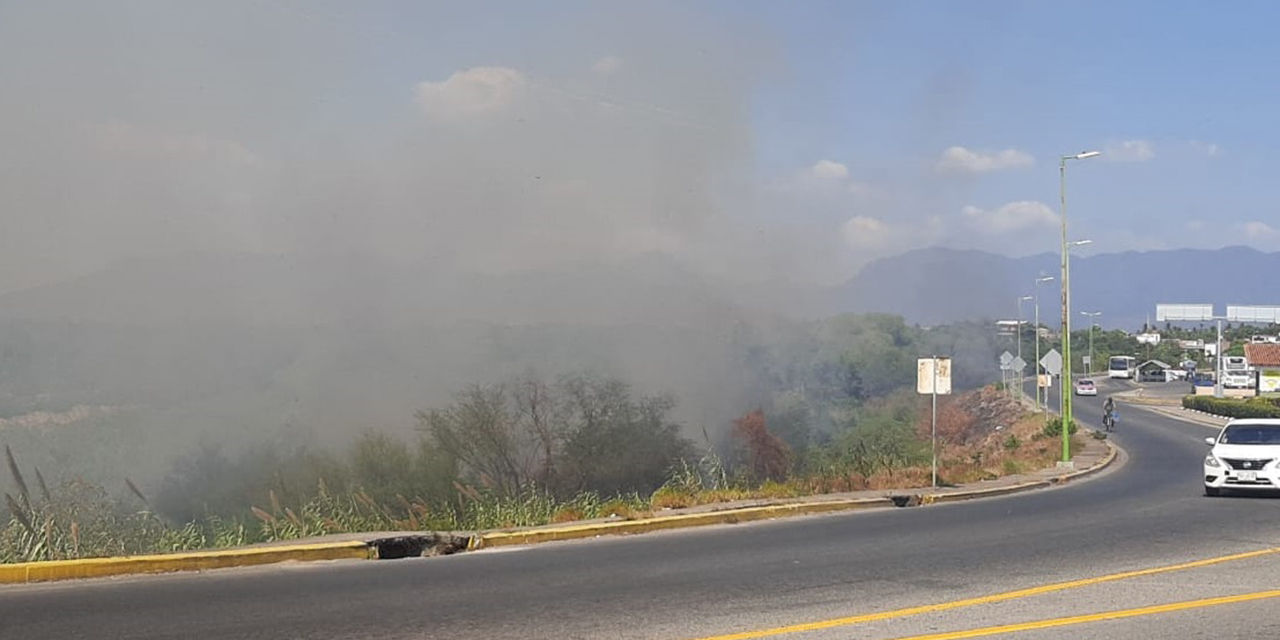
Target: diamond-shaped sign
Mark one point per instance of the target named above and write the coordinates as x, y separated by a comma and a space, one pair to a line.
1052, 362
1006, 358
1018, 364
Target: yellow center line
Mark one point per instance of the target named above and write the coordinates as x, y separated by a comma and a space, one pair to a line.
998, 597
1097, 617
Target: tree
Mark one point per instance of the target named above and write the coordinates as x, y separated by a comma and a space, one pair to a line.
768, 457
612, 443
479, 431
540, 411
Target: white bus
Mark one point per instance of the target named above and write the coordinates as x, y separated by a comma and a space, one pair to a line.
1236, 373
1122, 367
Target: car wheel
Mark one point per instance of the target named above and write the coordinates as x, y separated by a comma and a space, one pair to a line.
1212, 492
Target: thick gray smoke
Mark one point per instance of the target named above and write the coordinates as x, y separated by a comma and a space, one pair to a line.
292, 128
226, 220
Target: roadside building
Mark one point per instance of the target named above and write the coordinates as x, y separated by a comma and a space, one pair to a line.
1265, 359
1154, 371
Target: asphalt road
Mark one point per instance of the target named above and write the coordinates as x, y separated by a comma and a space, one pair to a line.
1148, 512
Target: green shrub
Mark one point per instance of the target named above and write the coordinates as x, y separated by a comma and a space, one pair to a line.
1012, 443
1053, 428
1233, 407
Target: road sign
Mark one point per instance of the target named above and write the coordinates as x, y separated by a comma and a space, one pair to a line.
1086, 360
1052, 362
1018, 364
1046, 380
925, 375
1006, 358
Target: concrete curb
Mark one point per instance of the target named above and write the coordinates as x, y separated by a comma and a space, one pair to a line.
485, 540
1196, 418
959, 496
728, 516
167, 563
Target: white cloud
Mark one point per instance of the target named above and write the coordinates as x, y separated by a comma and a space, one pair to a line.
606, 66
1014, 216
962, 160
1129, 151
829, 170
862, 232
1260, 231
470, 91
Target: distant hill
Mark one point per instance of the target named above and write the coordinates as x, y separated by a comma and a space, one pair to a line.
265, 290
934, 286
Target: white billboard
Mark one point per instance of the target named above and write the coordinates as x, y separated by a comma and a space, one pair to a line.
1259, 315
1184, 312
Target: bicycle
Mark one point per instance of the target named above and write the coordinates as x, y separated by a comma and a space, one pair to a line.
1109, 421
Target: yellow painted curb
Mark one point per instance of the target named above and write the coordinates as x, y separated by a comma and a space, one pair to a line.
728, 516
99, 567
956, 496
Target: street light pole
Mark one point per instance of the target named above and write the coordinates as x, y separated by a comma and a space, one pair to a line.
1037, 333
1066, 305
1093, 320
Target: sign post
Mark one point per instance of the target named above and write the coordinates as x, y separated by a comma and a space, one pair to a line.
933, 376
1017, 367
1006, 359
1052, 363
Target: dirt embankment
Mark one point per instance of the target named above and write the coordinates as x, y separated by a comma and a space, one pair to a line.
985, 434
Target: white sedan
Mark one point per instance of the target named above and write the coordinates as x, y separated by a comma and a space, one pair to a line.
1086, 388
1245, 456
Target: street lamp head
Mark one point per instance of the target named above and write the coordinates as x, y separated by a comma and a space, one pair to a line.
1080, 243
1027, 298
1084, 155
1044, 279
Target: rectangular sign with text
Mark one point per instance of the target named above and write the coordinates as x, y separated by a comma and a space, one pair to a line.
927, 375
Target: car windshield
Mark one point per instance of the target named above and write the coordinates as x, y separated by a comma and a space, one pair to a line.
1251, 434
1086, 383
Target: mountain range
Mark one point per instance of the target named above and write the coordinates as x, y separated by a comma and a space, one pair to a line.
933, 286
926, 286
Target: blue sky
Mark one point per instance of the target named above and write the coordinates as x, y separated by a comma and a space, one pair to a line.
778, 140
1187, 85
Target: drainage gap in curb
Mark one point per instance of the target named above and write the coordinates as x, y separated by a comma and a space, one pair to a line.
912, 500
418, 546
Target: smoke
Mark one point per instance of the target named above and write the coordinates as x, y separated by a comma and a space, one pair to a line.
300, 129
244, 216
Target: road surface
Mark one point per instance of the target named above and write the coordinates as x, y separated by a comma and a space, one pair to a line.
815, 577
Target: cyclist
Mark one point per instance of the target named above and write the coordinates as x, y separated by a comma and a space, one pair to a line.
1109, 414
